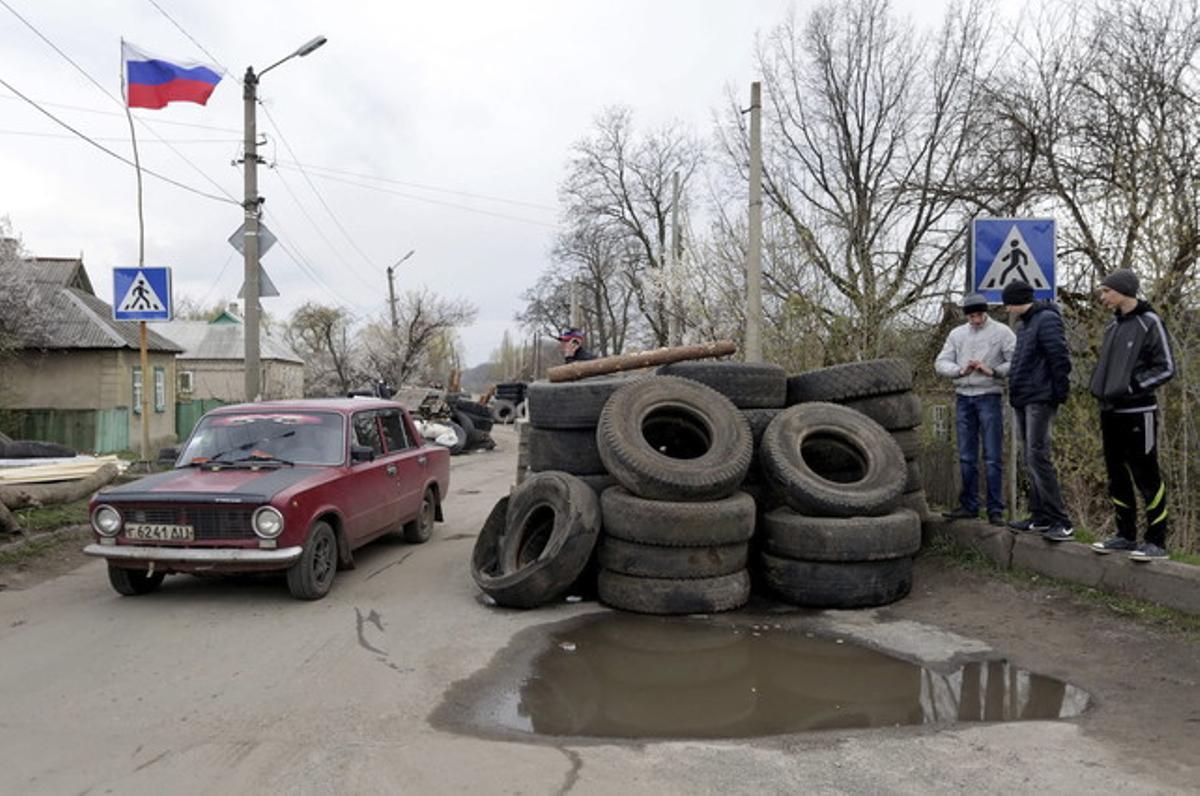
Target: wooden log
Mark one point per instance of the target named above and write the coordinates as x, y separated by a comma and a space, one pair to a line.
8, 523
25, 496
640, 359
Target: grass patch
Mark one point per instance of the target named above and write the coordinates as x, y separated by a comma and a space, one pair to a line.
38, 546
48, 518
1142, 611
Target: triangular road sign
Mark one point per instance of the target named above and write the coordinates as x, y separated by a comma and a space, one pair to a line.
1014, 262
266, 288
140, 297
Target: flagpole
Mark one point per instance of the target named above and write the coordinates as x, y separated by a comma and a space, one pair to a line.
142, 331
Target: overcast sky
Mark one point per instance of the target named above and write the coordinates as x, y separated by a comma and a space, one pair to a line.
442, 99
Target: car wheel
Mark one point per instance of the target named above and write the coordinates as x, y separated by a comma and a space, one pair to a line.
419, 530
311, 577
132, 582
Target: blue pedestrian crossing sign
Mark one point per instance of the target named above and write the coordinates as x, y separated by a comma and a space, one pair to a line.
141, 294
1007, 250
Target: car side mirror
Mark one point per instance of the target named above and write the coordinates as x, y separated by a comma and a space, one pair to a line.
362, 453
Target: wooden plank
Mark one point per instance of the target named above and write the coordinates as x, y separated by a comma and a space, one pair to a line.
640, 359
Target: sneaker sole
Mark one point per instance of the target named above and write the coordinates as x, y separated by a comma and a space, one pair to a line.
1057, 539
1102, 551
1145, 559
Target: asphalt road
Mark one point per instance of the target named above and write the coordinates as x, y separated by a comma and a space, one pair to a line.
233, 687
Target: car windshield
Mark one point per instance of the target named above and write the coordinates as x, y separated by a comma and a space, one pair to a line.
293, 437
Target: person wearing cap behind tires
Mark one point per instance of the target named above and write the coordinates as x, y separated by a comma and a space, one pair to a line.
1037, 385
977, 356
1135, 360
572, 346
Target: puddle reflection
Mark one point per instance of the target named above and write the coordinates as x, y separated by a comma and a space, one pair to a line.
638, 677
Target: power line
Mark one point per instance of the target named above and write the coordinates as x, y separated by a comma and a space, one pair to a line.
171, 19
109, 152
83, 109
485, 197
438, 202
305, 265
111, 96
337, 222
36, 134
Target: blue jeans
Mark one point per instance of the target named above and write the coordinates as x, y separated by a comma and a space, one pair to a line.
980, 416
1035, 422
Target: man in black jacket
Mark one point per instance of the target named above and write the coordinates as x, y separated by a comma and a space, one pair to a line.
1135, 359
572, 346
1037, 386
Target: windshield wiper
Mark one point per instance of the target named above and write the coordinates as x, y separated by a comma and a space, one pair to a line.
259, 456
250, 445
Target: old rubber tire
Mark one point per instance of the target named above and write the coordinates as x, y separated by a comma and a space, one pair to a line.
311, 577
420, 529
32, 449
915, 501
895, 412
758, 419
749, 385
659, 561
790, 535
850, 381
571, 451
829, 461
909, 442
667, 438
672, 523
573, 404
598, 483
460, 434
828, 584
912, 481
674, 596
536, 543
133, 582
503, 411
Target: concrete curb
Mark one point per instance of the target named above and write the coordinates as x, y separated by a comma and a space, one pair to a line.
1167, 583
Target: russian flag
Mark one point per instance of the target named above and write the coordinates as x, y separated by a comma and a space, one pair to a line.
152, 82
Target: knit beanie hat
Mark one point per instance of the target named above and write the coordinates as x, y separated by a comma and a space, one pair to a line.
973, 302
1123, 281
1017, 293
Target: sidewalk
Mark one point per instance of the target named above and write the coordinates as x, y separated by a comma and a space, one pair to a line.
1168, 583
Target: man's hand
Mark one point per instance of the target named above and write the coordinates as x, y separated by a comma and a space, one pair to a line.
975, 364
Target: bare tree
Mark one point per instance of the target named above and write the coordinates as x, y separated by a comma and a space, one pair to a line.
320, 335
622, 183
871, 138
422, 343
23, 321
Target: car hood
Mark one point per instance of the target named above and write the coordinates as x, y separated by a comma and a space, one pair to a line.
227, 485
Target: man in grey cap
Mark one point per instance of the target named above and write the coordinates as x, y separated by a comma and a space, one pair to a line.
1135, 360
976, 357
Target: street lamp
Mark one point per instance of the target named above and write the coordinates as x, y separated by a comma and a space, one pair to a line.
251, 205
392, 290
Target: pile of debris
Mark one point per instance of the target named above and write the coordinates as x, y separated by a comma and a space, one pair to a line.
668, 482
451, 420
507, 403
36, 474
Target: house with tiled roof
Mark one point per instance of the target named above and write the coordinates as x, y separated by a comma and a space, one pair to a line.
211, 365
80, 381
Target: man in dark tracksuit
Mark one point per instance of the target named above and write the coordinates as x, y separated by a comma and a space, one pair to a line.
1135, 359
1037, 386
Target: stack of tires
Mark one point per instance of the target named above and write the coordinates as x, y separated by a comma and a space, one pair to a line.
474, 421
509, 402
882, 390
562, 428
841, 540
676, 531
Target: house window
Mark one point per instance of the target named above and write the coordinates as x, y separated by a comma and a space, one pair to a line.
160, 390
185, 380
137, 390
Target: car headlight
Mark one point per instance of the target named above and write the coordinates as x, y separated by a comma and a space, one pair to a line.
106, 520
268, 522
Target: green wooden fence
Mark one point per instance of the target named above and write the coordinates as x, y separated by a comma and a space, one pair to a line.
88, 430
188, 413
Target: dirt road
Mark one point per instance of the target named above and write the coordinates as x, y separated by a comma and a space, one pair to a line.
233, 687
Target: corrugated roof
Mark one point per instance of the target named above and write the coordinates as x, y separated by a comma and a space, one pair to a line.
74, 318
205, 340
61, 272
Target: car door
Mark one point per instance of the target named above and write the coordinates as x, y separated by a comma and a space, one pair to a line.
370, 501
402, 454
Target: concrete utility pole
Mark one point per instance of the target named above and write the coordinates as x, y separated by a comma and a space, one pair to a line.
753, 350
391, 272
575, 310
675, 321
251, 202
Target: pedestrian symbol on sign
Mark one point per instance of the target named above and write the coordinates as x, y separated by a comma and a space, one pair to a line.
141, 297
1014, 262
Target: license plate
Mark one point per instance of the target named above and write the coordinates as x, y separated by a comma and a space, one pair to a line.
160, 533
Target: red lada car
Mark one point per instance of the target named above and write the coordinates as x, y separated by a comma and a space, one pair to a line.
281, 485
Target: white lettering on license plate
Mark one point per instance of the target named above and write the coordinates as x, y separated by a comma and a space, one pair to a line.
160, 533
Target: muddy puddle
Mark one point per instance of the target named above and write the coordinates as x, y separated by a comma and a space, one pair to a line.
625, 676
